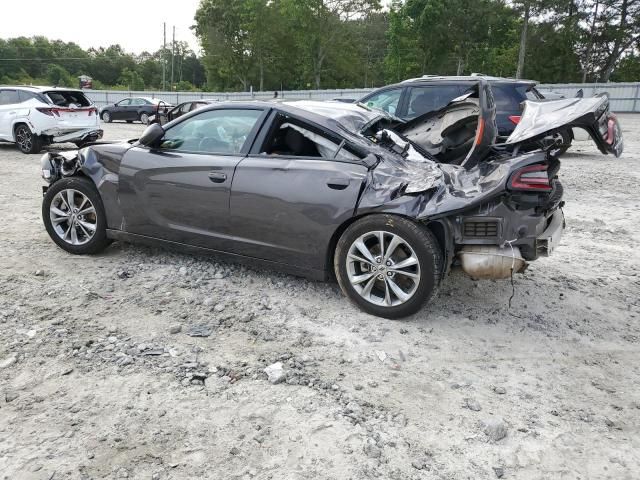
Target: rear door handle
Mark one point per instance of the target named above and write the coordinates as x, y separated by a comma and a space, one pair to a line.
338, 183
216, 177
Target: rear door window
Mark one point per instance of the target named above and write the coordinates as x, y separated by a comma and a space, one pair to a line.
26, 96
430, 98
296, 139
509, 97
9, 97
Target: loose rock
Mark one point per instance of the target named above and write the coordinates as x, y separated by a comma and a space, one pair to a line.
494, 428
275, 373
7, 362
472, 404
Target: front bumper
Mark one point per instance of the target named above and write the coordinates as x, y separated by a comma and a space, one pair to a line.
547, 242
82, 135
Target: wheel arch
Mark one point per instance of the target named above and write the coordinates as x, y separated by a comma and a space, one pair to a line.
440, 229
21, 121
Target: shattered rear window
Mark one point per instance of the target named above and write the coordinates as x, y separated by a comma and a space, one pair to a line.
70, 98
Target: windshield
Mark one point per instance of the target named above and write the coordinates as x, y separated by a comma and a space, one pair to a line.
383, 113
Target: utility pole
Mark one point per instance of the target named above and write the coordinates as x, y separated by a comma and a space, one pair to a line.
173, 52
164, 60
523, 39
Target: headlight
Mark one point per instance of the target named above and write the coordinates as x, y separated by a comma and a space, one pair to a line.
46, 167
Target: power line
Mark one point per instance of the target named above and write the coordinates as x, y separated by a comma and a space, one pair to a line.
52, 59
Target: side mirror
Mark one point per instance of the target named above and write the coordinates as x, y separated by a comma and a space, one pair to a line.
152, 135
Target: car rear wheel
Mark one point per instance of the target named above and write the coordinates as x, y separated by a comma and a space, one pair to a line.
562, 139
388, 265
144, 118
106, 117
26, 140
74, 217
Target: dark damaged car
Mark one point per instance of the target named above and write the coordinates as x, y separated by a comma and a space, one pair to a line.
332, 189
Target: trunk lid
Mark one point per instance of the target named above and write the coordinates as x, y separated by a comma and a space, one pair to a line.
460, 133
71, 108
540, 119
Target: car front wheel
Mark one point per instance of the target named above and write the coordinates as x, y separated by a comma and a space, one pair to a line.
144, 118
388, 265
106, 117
74, 217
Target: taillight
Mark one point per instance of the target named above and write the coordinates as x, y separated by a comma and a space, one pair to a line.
531, 178
48, 111
93, 110
515, 119
480, 131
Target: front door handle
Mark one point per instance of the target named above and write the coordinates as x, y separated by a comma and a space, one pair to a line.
338, 183
216, 177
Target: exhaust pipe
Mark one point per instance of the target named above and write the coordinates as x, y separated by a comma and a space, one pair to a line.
491, 262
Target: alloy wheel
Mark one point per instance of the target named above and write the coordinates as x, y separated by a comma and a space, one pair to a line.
144, 118
24, 138
383, 268
73, 217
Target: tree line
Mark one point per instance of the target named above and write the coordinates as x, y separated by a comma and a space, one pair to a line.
299, 44
269, 44
40, 61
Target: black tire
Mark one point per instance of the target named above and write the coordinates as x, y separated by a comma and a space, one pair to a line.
99, 241
418, 237
26, 140
144, 118
106, 117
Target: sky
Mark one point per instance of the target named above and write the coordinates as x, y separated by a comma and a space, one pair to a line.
134, 24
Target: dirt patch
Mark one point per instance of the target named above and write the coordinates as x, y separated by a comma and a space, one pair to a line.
142, 363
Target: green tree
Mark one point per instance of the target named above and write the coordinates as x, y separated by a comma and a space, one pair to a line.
59, 77
628, 69
131, 79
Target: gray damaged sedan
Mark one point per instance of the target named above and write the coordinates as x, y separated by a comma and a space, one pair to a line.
324, 189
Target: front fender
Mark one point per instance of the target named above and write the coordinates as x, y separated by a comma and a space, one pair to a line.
100, 163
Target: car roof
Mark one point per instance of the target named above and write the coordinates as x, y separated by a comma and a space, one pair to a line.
199, 100
329, 114
40, 89
463, 79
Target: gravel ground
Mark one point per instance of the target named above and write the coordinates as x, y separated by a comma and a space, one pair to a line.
146, 364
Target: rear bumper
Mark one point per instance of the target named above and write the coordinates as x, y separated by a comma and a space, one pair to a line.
62, 135
547, 242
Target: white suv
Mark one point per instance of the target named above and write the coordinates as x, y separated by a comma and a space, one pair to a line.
33, 117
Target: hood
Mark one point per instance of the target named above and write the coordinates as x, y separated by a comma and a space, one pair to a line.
591, 114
